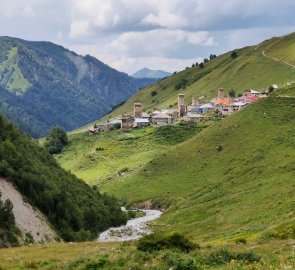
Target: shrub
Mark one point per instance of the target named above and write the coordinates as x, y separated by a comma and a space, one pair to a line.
234, 54
219, 148
154, 93
220, 256
241, 241
154, 242
223, 256
180, 261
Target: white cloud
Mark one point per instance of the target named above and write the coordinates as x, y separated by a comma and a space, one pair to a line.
157, 43
121, 31
15, 8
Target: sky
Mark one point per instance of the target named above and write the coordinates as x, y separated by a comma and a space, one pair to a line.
159, 34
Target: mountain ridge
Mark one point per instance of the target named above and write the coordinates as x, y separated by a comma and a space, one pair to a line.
149, 73
43, 85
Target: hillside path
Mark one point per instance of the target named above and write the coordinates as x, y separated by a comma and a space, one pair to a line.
274, 58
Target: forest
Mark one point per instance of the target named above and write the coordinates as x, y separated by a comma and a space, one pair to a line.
77, 211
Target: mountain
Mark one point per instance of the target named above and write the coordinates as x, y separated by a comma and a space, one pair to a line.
76, 211
148, 73
243, 162
43, 85
255, 67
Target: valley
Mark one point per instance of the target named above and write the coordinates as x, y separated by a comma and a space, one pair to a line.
225, 184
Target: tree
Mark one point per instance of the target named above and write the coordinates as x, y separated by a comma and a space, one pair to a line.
201, 65
56, 140
232, 93
212, 56
196, 64
234, 54
206, 60
193, 65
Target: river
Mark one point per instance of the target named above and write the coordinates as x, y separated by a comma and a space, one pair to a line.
134, 229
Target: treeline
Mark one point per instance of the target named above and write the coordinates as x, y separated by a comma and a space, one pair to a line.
77, 211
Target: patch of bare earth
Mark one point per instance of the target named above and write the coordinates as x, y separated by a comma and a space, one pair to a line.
27, 219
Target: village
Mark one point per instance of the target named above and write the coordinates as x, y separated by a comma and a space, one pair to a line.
195, 112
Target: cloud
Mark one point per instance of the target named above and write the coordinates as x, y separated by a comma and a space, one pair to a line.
15, 8
121, 31
158, 43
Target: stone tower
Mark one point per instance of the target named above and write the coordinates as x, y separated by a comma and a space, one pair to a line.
137, 110
220, 93
181, 105
195, 101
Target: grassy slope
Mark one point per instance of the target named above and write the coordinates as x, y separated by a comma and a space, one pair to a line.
249, 70
76, 255
242, 190
102, 158
17, 82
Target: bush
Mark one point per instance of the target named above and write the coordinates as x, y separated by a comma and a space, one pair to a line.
241, 241
155, 242
223, 256
154, 93
234, 54
180, 261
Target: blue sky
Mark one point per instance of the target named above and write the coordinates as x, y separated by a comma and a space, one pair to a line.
158, 34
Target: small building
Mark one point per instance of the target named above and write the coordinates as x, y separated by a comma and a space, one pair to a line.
171, 112
236, 106
126, 122
206, 108
141, 122
193, 117
145, 115
161, 119
252, 93
114, 123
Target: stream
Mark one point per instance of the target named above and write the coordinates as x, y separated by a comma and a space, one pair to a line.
134, 229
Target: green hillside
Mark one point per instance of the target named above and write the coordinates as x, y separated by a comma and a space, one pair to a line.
235, 178
76, 211
254, 68
110, 155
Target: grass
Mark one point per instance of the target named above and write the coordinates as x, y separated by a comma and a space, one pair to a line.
110, 155
11, 70
240, 191
274, 255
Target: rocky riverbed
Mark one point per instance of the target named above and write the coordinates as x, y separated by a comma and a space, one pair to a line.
134, 229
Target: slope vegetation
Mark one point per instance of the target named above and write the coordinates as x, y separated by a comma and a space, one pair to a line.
235, 178
110, 155
43, 85
76, 211
255, 67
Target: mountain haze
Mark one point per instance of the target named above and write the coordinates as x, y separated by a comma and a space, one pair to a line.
43, 85
148, 73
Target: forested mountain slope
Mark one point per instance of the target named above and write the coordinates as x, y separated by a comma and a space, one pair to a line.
43, 85
76, 211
